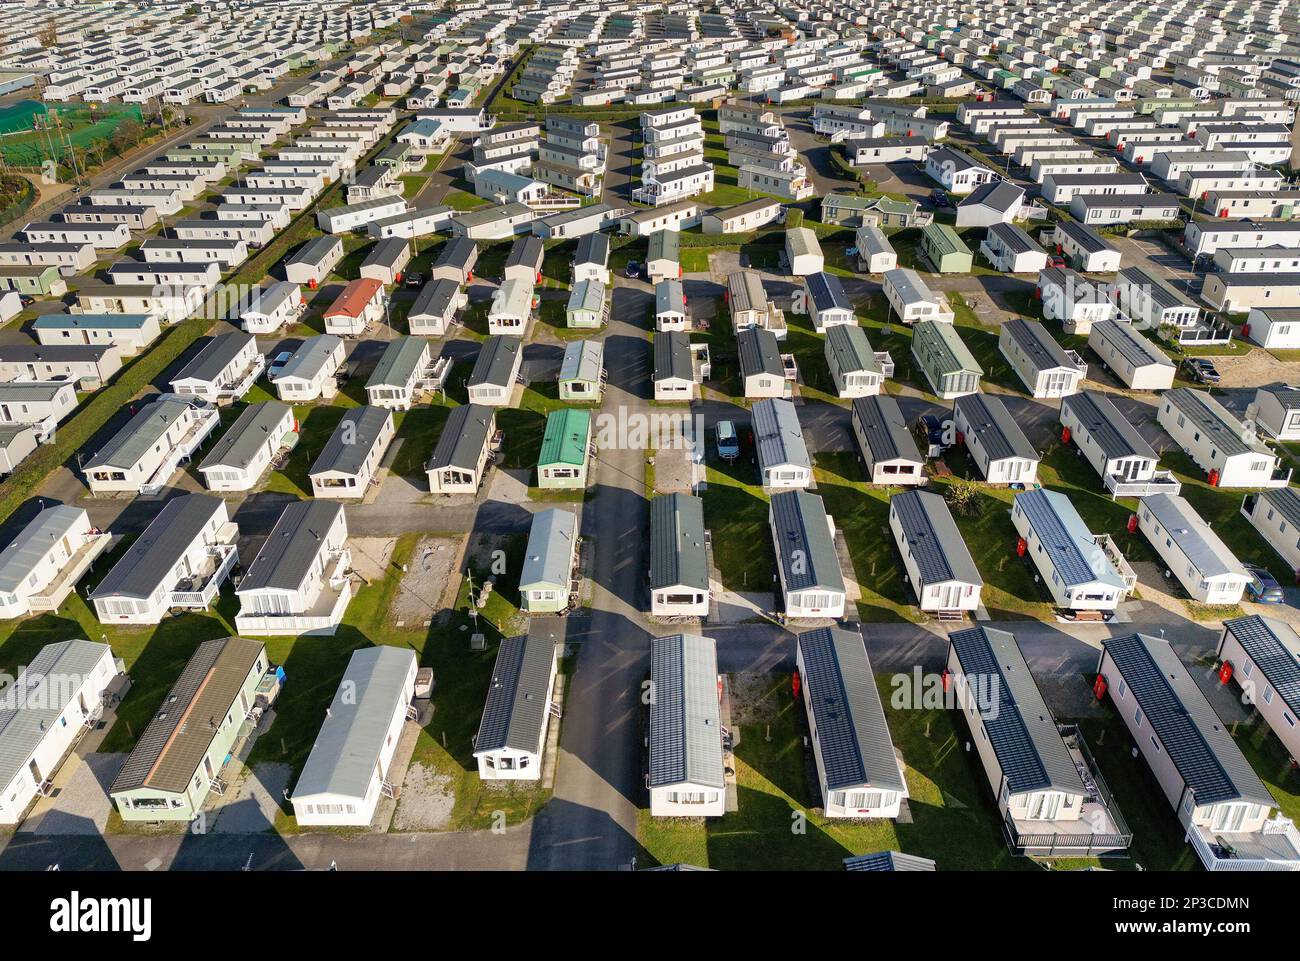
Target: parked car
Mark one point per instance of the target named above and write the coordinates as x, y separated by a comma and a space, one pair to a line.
1263, 587
933, 428
414, 281
1201, 370
1056, 260
277, 363
727, 440
939, 197
633, 269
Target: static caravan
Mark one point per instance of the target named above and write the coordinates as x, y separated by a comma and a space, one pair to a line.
1275, 514
671, 313
803, 252
463, 452
314, 261
1214, 791
827, 303
888, 449
349, 461
65, 690
566, 450
1035, 768
435, 308
1073, 563
496, 371
591, 259
1130, 356
1074, 300
175, 764
386, 261
511, 739
1043, 365
582, 372
939, 567
876, 254
397, 376
1263, 654
361, 303
144, 454
808, 565
129, 333
994, 440
588, 306
687, 774
548, 581
40, 567
249, 446
298, 583
949, 367
1191, 551
222, 371
858, 770
911, 299
1126, 463
783, 459
1277, 411
1219, 443
855, 368
512, 308
310, 371
180, 561
347, 772
273, 306
676, 375
679, 566
761, 366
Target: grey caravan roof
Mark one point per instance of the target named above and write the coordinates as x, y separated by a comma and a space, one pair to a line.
1132, 346
583, 360
672, 356
1161, 294
888, 861
883, 427
459, 252
346, 753
462, 437
434, 298
496, 362
288, 553
999, 195
526, 252
514, 714
850, 348
1065, 538
1087, 238
387, 252
398, 363
852, 735
352, 441
1274, 646
777, 434
593, 248
669, 297
1191, 734
310, 357
1194, 537
314, 252
685, 727
24, 726
551, 543
759, 352
998, 432
246, 436
801, 524
1213, 420
1038, 345
937, 545
1284, 500
156, 552
1021, 729
677, 555
1108, 428
216, 354
24, 552
150, 423
827, 292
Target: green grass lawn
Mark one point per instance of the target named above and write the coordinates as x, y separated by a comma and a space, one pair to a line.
735, 513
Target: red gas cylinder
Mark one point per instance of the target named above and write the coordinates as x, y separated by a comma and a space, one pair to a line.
311, 283
1139, 159
795, 683
947, 680
1214, 477
1245, 330
398, 277
1021, 547
538, 279
1065, 435
961, 438
1099, 687
1225, 672
1132, 524
295, 425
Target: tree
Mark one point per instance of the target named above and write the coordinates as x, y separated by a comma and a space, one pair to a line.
964, 497
48, 35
